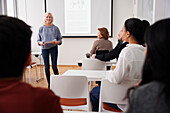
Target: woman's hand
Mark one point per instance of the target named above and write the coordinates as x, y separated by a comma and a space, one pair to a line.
55, 42
41, 43
58, 42
137, 84
93, 56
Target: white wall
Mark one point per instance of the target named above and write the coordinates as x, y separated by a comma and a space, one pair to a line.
123, 9
21, 10
161, 9
167, 8
74, 49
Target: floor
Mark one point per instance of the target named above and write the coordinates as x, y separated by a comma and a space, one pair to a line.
43, 82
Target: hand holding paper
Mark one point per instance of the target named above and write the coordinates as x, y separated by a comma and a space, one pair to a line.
41, 43
54, 42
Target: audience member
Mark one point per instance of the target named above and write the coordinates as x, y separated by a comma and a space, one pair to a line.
114, 53
102, 43
15, 95
153, 94
131, 58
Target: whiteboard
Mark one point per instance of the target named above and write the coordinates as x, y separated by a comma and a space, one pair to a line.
96, 13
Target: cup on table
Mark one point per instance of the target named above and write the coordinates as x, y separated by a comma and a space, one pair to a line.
87, 55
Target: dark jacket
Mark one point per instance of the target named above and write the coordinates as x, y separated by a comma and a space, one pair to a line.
114, 53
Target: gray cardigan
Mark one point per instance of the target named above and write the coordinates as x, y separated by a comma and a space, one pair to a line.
145, 99
49, 33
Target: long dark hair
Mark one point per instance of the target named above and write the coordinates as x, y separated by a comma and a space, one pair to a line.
156, 66
137, 27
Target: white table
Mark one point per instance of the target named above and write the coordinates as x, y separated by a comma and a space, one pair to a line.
108, 63
39, 55
92, 75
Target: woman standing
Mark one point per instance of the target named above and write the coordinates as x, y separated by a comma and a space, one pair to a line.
49, 37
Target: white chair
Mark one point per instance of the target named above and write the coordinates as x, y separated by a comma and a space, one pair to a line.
93, 64
114, 93
70, 88
29, 67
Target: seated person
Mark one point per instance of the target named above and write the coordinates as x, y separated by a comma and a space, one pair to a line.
114, 53
131, 58
15, 95
102, 43
153, 94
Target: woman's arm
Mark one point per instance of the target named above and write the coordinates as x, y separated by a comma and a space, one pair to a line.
39, 39
59, 37
93, 48
114, 53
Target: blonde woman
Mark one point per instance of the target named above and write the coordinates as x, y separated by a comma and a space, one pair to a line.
49, 37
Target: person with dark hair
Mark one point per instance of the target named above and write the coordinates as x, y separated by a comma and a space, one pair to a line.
153, 94
102, 45
114, 53
15, 95
49, 37
131, 58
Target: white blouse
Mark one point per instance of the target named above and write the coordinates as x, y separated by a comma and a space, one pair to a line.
129, 65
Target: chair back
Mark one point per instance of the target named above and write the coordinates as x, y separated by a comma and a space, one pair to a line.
71, 87
98, 52
93, 64
114, 93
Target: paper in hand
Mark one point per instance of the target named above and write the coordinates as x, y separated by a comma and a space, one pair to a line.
51, 42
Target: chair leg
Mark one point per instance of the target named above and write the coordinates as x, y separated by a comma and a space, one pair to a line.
100, 106
37, 73
41, 73
41, 68
30, 74
90, 85
24, 77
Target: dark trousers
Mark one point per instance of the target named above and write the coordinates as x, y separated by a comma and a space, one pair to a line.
54, 54
94, 96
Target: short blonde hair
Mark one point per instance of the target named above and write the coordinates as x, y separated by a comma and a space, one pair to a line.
46, 14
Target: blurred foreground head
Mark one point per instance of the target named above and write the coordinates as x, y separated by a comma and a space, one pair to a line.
15, 46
